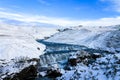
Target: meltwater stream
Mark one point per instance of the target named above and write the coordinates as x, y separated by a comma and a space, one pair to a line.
58, 53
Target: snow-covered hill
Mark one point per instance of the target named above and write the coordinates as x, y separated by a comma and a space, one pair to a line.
20, 42
16, 41
105, 38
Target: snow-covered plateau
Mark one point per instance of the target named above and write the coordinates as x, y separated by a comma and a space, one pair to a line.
97, 37
74, 53
18, 43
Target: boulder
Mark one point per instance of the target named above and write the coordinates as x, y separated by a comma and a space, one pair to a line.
53, 73
28, 73
72, 61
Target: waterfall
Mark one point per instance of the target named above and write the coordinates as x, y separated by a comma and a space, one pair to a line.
49, 59
58, 53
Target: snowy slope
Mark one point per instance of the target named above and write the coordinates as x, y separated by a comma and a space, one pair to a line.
104, 68
16, 41
105, 38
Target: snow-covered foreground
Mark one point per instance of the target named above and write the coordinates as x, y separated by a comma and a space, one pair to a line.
104, 38
16, 41
10, 68
104, 68
19, 49
80, 65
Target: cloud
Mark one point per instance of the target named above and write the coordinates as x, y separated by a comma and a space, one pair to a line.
113, 4
103, 21
29, 18
116, 5
44, 2
58, 21
2, 8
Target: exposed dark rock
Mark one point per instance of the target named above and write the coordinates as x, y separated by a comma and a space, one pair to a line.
38, 48
46, 38
53, 73
33, 59
72, 61
84, 57
62, 30
29, 73
95, 55
118, 62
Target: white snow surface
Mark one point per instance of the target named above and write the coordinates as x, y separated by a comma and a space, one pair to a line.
14, 66
17, 41
97, 37
104, 68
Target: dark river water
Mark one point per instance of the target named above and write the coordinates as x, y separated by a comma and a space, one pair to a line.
54, 48
59, 52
